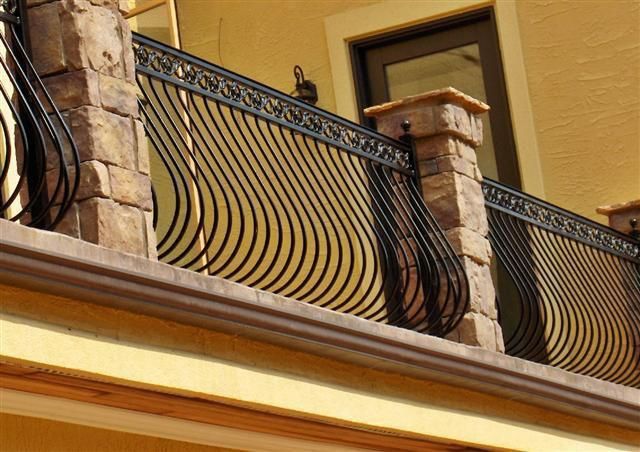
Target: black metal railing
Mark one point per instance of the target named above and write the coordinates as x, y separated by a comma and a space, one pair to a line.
258, 187
38, 158
569, 288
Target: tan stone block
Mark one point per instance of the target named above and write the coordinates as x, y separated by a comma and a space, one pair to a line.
456, 201
31, 3
622, 221
103, 136
70, 222
499, 337
435, 146
45, 33
105, 3
454, 120
104, 48
111, 225
476, 129
428, 167
74, 89
130, 187
123, 7
421, 120
444, 145
92, 37
482, 294
143, 148
94, 180
466, 151
118, 96
73, 39
407, 250
413, 297
477, 330
152, 250
469, 243
55, 188
128, 59
457, 164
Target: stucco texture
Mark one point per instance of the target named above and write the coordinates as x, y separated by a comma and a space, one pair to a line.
583, 67
265, 39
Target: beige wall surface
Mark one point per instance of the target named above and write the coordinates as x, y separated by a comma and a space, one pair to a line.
265, 39
582, 62
583, 66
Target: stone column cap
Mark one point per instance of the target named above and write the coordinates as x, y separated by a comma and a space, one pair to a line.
448, 95
621, 207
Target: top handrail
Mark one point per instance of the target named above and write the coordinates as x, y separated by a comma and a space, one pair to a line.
551, 217
208, 79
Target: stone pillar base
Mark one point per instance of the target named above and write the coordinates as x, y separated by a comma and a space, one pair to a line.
446, 132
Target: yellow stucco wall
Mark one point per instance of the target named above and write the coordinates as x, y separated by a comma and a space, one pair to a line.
583, 68
265, 39
581, 59
27, 434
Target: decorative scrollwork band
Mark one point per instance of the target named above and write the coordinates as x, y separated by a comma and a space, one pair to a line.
268, 102
8, 6
561, 222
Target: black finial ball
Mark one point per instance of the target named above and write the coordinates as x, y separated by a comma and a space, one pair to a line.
406, 125
633, 222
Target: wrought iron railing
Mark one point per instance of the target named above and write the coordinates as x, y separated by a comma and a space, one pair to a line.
569, 288
260, 188
38, 158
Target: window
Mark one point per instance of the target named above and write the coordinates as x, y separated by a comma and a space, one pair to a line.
461, 51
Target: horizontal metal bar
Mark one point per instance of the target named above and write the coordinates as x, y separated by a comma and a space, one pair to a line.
194, 72
6, 17
241, 106
560, 221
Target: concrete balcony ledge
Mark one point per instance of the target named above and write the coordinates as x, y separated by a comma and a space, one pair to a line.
58, 265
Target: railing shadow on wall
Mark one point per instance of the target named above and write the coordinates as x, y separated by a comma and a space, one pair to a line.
39, 163
257, 187
569, 288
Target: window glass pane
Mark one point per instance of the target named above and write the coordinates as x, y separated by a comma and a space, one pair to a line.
153, 23
458, 67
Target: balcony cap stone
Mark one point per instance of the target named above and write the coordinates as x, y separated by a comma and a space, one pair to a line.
448, 95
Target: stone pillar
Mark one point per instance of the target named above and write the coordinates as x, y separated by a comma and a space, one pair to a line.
447, 131
623, 217
82, 49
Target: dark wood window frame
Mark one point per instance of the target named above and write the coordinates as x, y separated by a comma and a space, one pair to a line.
370, 55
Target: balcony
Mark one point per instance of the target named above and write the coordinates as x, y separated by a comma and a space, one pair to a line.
259, 188
280, 222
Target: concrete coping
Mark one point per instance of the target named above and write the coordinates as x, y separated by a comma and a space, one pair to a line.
621, 207
448, 95
53, 263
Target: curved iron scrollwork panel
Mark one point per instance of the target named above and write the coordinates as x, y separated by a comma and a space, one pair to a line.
213, 81
38, 159
576, 297
251, 196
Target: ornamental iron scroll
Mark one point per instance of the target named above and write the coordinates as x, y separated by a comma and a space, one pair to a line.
560, 221
193, 73
256, 187
569, 288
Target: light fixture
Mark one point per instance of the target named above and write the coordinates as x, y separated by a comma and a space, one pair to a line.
305, 89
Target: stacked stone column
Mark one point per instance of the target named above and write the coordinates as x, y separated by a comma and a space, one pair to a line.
447, 130
82, 50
